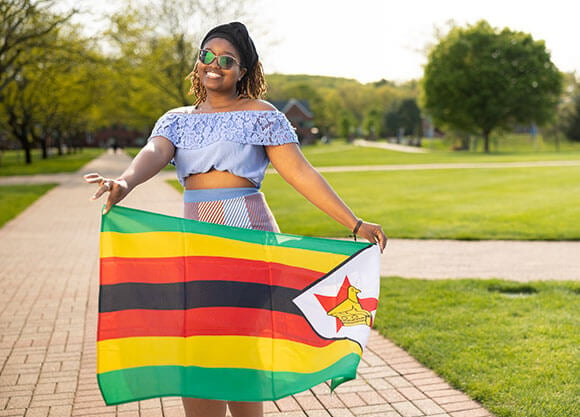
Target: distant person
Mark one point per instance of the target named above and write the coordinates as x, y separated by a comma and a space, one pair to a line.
221, 147
114, 145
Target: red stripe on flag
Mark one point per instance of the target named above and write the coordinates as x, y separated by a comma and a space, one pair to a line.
204, 268
208, 321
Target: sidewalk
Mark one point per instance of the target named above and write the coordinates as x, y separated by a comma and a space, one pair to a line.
390, 146
48, 310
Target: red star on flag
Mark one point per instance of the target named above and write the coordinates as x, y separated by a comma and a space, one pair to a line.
329, 302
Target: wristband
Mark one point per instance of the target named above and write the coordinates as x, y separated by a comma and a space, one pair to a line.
358, 224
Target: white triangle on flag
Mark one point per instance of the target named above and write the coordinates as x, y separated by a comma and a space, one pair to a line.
362, 272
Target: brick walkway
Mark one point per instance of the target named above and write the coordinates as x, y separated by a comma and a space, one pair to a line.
48, 313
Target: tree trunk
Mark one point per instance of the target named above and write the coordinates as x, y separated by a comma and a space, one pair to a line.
24, 140
19, 130
59, 146
44, 147
486, 141
27, 151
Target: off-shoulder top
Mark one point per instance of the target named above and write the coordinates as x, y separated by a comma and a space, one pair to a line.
227, 141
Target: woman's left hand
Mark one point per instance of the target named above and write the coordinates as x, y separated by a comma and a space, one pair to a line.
373, 233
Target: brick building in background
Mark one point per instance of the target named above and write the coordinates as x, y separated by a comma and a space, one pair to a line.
300, 116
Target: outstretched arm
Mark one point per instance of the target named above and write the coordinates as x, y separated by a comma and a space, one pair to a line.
148, 162
291, 164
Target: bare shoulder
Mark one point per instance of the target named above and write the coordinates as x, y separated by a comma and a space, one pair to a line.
184, 109
255, 104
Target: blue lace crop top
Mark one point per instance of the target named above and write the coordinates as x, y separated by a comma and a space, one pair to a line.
228, 141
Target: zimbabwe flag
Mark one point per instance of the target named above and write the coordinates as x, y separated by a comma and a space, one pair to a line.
202, 310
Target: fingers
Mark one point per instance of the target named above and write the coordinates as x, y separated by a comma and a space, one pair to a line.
374, 234
93, 177
105, 184
117, 189
108, 206
382, 239
379, 237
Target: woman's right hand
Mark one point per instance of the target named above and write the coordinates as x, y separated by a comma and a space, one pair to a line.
117, 189
373, 233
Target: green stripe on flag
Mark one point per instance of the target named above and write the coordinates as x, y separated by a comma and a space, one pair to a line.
127, 220
142, 383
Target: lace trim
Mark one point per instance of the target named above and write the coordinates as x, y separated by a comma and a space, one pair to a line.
249, 127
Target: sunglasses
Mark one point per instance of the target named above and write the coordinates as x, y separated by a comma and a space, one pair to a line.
224, 61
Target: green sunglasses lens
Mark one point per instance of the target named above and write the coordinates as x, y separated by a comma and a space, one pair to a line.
225, 62
206, 57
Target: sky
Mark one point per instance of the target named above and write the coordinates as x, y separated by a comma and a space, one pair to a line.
370, 40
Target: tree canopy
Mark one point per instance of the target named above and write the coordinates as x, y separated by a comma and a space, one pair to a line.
341, 105
478, 79
37, 48
25, 24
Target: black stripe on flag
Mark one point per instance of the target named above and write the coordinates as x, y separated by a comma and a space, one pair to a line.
196, 294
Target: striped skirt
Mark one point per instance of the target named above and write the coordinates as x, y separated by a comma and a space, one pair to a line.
238, 207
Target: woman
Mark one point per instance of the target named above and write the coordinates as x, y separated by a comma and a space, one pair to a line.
221, 147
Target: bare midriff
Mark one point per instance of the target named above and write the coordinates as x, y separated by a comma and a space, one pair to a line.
216, 179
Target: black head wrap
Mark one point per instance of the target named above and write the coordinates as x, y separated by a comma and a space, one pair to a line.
236, 34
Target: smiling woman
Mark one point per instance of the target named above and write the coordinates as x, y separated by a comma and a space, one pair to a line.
224, 57
221, 147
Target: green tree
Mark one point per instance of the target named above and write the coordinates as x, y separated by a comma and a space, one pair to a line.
135, 84
324, 95
346, 125
32, 113
410, 117
342, 106
568, 121
24, 25
154, 47
326, 118
478, 79
372, 124
392, 122
404, 119
66, 109
573, 122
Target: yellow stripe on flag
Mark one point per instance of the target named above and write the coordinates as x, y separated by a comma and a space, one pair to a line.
165, 245
277, 355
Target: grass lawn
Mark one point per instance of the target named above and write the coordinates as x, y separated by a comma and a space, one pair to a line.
514, 347
12, 162
15, 198
510, 203
339, 153
132, 152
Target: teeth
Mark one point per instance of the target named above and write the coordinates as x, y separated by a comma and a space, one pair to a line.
213, 75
